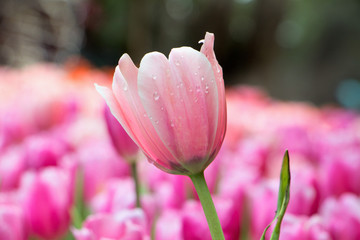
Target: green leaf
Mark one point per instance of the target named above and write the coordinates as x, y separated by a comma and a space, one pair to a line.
284, 182
283, 198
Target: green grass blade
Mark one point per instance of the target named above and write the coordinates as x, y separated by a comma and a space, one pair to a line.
283, 198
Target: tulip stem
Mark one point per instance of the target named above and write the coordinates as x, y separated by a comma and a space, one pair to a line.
134, 174
208, 206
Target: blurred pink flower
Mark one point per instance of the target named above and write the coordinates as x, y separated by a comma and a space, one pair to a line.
340, 167
12, 166
171, 193
12, 225
124, 225
342, 217
46, 199
43, 150
169, 226
174, 109
99, 163
119, 195
121, 141
303, 228
262, 199
304, 192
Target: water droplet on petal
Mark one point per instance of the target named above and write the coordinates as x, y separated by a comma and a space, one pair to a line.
157, 122
190, 90
202, 78
162, 108
172, 124
177, 63
156, 96
145, 115
154, 77
206, 88
195, 73
125, 87
196, 100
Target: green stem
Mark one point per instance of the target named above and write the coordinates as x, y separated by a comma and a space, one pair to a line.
137, 184
208, 206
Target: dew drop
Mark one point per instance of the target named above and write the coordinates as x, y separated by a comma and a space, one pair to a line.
154, 77
125, 87
177, 63
145, 115
196, 100
162, 108
218, 70
190, 90
202, 78
172, 124
206, 88
195, 73
157, 122
156, 96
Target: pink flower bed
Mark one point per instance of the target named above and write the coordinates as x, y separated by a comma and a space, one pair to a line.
53, 130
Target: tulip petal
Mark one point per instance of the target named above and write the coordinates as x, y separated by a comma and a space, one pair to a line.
180, 96
125, 105
208, 50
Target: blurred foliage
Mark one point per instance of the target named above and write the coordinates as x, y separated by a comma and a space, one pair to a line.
295, 49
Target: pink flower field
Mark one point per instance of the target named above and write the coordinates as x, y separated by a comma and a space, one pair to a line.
62, 176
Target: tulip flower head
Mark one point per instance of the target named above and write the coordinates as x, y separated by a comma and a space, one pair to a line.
174, 109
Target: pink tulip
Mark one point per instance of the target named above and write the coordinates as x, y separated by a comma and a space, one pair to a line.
46, 199
43, 151
117, 195
99, 163
304, 191
300, 227
123, 144
125, 225
262, 199
12, 225
174, 109
12, 166
169, 226
342, 216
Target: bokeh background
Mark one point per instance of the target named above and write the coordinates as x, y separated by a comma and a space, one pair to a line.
294, 49
62, 177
